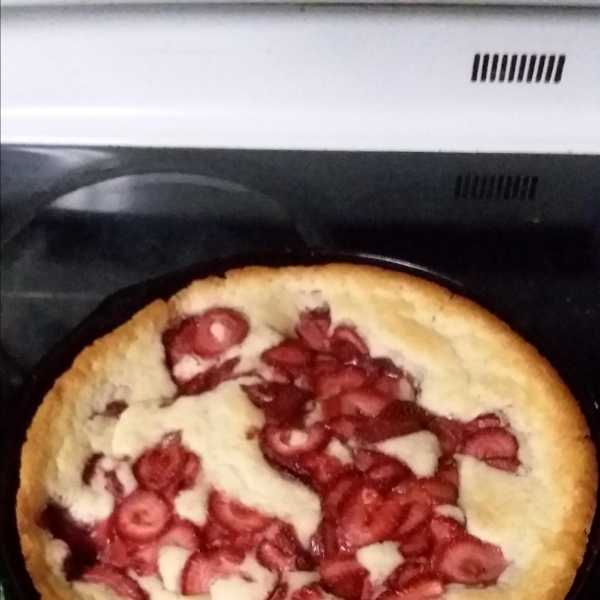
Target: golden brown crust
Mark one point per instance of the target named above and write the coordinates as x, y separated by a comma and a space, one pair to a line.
462, 349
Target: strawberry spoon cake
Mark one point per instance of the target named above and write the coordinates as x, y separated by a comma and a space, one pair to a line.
307, 433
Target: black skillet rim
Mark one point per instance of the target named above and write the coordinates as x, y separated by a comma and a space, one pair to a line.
121, 305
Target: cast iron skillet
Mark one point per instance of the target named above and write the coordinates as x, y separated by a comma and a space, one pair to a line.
118, 307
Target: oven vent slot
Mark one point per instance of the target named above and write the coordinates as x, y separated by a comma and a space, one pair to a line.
518, 68
498, 187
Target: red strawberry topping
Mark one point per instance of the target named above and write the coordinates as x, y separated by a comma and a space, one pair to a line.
235, 515
338, 490
366, 517
324, 543
308, 592
345, 577
470, 561
168, 465
482, 422
504, 463
332, 382
450, 434
407, 572
290, 355
142, 516
492, 442
417, 543
206, 335
445, 529
117, 581
416, 515
313, 328
285, 442
363, 401
204, 567
448, 471
281, 551
397, 418
383, 471
209, 379
347, 345
322, 468
424, 587
281, 402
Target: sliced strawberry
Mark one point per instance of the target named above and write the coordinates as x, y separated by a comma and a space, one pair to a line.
322, 468
383, 471
102, 533
308, 592
428, 490
439, 491
235, 515
445, 529
504, 464
117, 581
417, 543
345, 577
424, 587
191, 470
417, 513
470, 561
344, 426
281, 402
397, 418
217, 536
182, 533
482, 422
290, 355
331, 382
347, 345
324, 543
115, 553
281, 551
388, 386
142, 516
286, 442
338, 489
447, 471
206, 566
144, 559
206, 335
449, 432
366, 517
363, 401
313, 328
209, 379
493, 442
407, 572
160, 466
331, 408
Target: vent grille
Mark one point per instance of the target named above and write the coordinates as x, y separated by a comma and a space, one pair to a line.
518, 68
506, 187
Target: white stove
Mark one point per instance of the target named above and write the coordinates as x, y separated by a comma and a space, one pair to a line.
412, 76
